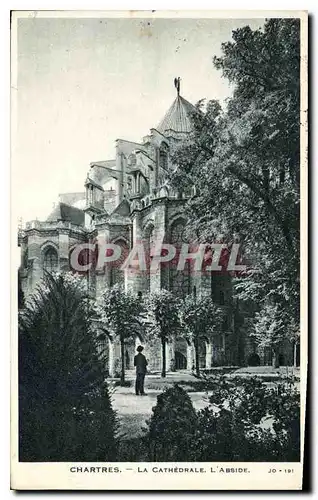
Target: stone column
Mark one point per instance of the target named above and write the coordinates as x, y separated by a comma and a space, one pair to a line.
172, 355
208, 355
63, 249
111, 359
135, 278
190, 356
168, 357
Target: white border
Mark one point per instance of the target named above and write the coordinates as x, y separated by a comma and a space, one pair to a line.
4, 47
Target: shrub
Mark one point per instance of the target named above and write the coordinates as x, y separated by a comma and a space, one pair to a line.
65, 411
284, 406
232, 427
172, 426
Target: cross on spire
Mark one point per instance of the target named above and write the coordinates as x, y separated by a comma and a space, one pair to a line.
177, 84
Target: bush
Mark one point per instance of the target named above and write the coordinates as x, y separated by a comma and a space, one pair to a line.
65, 411
231, 428
172, 426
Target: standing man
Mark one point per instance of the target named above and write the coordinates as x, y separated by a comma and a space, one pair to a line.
140, 363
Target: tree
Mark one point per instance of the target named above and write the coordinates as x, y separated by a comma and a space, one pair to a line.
244, 161
65, 411
201, 317
269, 330
164, 318
121, 310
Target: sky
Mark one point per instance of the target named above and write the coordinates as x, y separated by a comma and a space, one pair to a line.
84, 82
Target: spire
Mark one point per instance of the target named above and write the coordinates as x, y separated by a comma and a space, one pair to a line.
178, 116
177, 84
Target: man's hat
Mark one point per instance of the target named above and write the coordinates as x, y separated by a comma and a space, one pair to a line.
140, 348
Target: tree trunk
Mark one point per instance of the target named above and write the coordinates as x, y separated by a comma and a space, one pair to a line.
275, 359
197, 360
122, 355
163, 345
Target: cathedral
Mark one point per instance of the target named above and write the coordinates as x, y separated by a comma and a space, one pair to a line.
141, 208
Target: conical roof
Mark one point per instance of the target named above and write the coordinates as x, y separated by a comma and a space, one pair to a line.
67, 213
178, 117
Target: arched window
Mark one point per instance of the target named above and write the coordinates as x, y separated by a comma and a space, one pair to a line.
117, 275
163, 156
163, 164
179, 280
50, 262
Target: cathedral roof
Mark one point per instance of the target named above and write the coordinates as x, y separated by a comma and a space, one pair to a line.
178, 117
67, 213
123, 209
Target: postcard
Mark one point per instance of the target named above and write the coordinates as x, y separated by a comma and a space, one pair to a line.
159, 245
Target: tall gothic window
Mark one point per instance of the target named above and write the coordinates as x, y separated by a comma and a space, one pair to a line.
163, 163
179, 281
163, 156
117, 275
50, 260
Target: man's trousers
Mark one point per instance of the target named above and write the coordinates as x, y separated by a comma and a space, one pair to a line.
140, 380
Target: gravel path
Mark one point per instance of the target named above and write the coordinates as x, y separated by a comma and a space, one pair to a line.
134, 411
